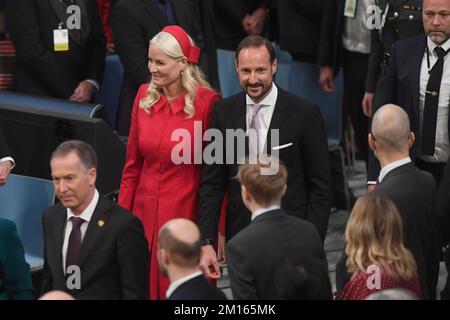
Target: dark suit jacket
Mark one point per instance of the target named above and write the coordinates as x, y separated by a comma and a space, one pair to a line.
309, 184
330, 48
4, 150
443, 207
272, 240
414, 193
299, 24
15, 278
113, 257
134, 24
39, 69
197, 288
401, 86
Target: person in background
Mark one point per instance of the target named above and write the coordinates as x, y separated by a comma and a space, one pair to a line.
376, 256
178, 257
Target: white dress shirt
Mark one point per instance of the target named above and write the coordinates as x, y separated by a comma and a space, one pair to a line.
265, 113
174, 285
86, 215
391, 166
8, 159
442, 146
261, 211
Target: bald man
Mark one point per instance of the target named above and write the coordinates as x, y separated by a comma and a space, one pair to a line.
178, 257
413, 191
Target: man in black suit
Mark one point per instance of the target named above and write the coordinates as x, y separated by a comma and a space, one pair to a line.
345, 42
134, 24
272, 113
413, 82
73, 67
6, 162
93, 249
272, 239
178, 257
413, 191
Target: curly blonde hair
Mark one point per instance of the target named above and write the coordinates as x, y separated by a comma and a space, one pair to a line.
374, 236
191, 79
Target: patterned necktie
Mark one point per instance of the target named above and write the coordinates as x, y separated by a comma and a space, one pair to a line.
255, 124
431, 104
73, 247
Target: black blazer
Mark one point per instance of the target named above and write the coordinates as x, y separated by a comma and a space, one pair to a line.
309, 184
272, 240
413, 192
443, 207
113, 258
39, 69
4, 150
401, 86
134, 23
330, 48
197, 288
299, 23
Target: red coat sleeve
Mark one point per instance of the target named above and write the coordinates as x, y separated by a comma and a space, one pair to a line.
134, 160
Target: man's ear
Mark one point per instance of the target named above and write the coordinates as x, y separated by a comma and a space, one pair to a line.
92, 176
245, 194
371, 141
411, 139
164, 256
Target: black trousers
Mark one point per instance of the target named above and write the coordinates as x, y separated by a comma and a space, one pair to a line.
355, 71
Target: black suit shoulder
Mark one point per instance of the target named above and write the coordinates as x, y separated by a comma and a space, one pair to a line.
197, 288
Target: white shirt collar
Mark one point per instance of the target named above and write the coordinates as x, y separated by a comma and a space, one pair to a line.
391, 166
432, 45
261, 211
86, 215
269, 100
174, 285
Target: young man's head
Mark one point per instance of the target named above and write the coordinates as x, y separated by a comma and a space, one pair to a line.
74, 171
259, 190
178, 248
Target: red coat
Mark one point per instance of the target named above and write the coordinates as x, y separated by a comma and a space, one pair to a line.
153, 187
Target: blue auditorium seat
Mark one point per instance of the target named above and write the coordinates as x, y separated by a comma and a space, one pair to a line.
228, 78
23, 200
109, 93
51, 105
304, 81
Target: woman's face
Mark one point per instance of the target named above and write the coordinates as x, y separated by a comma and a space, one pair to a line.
165, 70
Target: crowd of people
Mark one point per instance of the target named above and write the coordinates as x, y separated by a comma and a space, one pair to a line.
263, 162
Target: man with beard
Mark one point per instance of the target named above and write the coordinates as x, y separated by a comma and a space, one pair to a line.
418, 79
265, 112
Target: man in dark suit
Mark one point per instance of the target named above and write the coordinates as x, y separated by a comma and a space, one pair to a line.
271, 113
413, 191
178, 257
272, 239
70, 68
345, 42
134, 24
93, 249
6, 162
413, 82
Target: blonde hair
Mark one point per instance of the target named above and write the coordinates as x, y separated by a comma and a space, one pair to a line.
191, 79
374, 236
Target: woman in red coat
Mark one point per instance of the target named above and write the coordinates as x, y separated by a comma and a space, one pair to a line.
376, 256
169, 117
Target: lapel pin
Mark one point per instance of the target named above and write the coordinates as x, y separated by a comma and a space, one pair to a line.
101, 223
